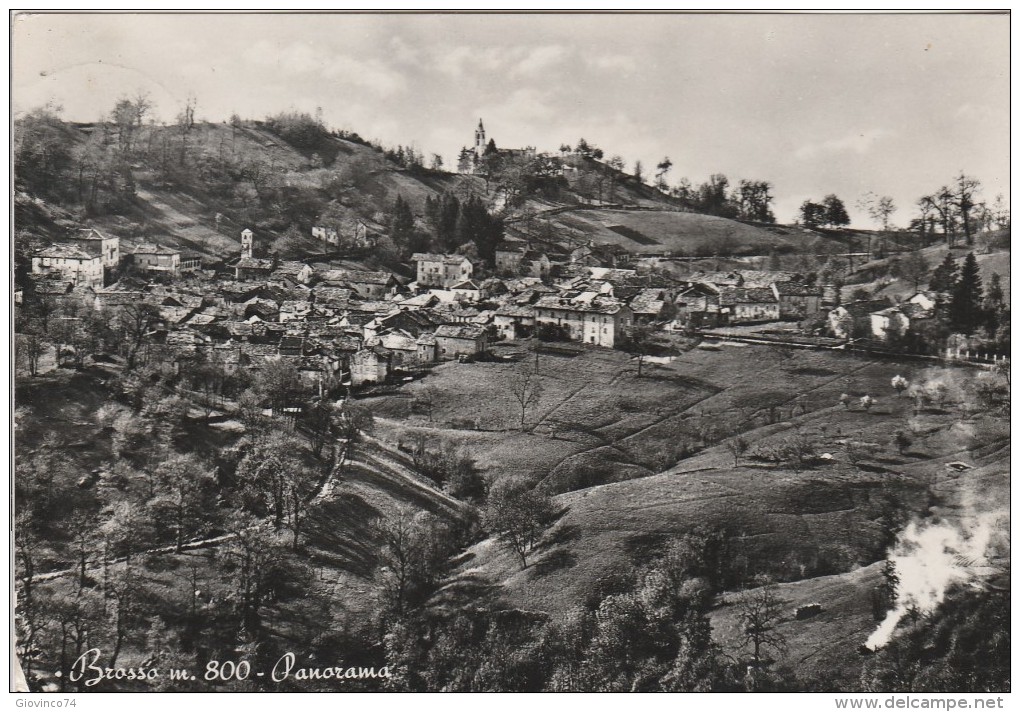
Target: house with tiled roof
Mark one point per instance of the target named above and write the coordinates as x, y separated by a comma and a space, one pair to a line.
748, 305
154, 258
70, 263
441, 270
94, 242
251, 269
648, 305
296, 272
797, 300
589, 317
370, 365
513, 321
455, 340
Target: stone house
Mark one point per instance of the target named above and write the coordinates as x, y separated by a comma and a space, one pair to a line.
514, 321
589, 317
744, 305
797, 301
441, 271
370, 285
466, 291
96, 243
370, 365
150, 257
250, 269
70, 263
454, 340
297, 272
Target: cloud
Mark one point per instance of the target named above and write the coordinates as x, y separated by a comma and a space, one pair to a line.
515, 62
304, 58
613, 62
859, 143
539, 60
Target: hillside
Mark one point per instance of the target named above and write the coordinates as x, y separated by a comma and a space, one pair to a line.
807, 527
196, 190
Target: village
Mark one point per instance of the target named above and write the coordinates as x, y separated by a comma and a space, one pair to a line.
356, 328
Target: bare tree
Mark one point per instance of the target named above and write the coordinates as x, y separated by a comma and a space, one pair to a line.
639, 340
525, 388
352, 422
966, 187
760, 610
425, 400
878, 207
413, 552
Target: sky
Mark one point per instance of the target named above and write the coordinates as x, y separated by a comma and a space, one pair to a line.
892, 104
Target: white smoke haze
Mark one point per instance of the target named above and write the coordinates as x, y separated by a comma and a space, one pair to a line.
931, 557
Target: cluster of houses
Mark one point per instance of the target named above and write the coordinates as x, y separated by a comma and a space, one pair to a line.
340, 325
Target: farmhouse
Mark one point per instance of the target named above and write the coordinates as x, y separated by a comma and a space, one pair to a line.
70, 263
297, 272
519, 259
453, 340
589, 317
853, 320
514, 321
441, 270
253, 268
370, 285
926, 300
698, 306
888, 323
466, 291
649, 305
897, 321
96, 243
371, 365
797, 301
747, 305
328, 235
150, 257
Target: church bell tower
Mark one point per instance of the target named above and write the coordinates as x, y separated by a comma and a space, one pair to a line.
247, 243
479, 139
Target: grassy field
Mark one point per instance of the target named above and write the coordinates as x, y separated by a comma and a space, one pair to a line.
809, 526
683, 233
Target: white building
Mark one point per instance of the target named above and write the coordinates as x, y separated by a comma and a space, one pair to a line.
69, 262
590, 317
442, 270
96, 243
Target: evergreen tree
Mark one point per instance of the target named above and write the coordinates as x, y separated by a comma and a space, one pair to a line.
995, 298
449, 214
402, 223
477, 226
965, 308
943, 279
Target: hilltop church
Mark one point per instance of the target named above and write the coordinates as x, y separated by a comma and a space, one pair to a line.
473, 160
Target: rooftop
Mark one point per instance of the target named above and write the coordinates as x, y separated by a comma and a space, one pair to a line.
588, 302
66, 252
460, 331
151, 248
